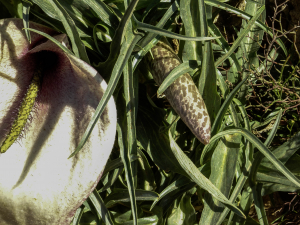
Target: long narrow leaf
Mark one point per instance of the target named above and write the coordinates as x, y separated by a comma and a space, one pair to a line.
120, 34
110, 179
103, 12
225, 46
224, 108
124, 152
78, 215
246, 16
162, 32
116, 163
189, 13
207, 80
223, 167
180, 182
262, 148
161, 23
122, 195
176, 73
243, 178
65, 49
26, 9
241, 36
193, 173
219, 118
131, 108
77, 45
259, 204
100, 207
259, 156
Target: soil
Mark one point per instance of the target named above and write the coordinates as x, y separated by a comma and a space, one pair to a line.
283, 208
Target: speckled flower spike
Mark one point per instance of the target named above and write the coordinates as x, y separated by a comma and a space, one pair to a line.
183, 94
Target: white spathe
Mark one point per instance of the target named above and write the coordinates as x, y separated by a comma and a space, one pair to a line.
39, 185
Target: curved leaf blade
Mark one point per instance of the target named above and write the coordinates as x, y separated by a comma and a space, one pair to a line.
193, 173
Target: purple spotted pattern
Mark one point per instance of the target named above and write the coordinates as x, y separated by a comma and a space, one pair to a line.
183, 95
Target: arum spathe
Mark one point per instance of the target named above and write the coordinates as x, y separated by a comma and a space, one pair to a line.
38, 183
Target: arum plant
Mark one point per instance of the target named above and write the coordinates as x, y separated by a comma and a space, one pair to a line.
47, 97
166, 65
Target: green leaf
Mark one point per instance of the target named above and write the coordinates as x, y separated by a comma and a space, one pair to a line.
124, 152
233, 75
161, 23
259, 204
78, 10
247, 197
193, 173
26, 9
110, 179
183, 68
207, 81
184, 213
78, 215
152, 140
189, 12
88, 218
14, 7
146, 179
114, 164
259, 155
262, 148
244, 113
162, 32
80, 13
273, 180
255, 35
223, 167
103, 12
219, 118
55, 24
246, 16
224, 107
180, 182
118, 50
251, 44
77, 45
122, 195
65, 49
155, 218
285, 151
241, 36
131, 108
245, 203
100, 207
269, 118
171, 200
103, 33
120, 4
